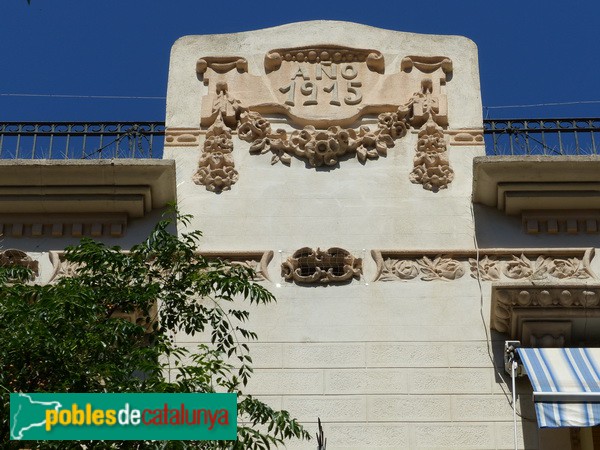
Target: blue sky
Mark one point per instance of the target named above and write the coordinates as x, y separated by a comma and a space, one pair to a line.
529, 52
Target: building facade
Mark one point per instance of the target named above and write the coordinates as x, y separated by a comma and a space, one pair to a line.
347, 165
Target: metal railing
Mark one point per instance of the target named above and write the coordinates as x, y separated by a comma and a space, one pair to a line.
542, 136
96, 140
81, 140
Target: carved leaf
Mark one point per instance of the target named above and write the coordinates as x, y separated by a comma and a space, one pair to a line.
489, 269
518, 267
441, 268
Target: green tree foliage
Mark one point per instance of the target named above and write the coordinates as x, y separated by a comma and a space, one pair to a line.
64, 337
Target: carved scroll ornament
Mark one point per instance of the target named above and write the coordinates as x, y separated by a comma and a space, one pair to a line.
319, 266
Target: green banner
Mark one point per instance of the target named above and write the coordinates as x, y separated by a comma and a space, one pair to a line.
112, 417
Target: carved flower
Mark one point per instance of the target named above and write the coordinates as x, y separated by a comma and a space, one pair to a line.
431, 144
405, 270
489, 269
253, 126
567, 268
322, 149
216, 171
300, 138
523, 267
432, 178
441, 268
372, 144
429, 159
392, 124
220, 143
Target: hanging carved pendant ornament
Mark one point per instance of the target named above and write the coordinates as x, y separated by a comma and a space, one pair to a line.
323, 91
318, 266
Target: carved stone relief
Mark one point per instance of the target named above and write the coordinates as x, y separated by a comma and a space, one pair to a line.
257, 261
323, 90
514, 304
493, 265
311, 266
216, 169
14, 257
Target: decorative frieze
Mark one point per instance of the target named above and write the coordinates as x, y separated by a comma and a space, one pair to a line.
257, 261
318, 266
182, 137
492, 265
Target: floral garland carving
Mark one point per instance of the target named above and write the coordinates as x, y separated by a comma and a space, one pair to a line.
439, 268
488, 268
321, 147
431, 163
321, 266
216, 169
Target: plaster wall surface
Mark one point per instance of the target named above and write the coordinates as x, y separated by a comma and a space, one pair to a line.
397, 364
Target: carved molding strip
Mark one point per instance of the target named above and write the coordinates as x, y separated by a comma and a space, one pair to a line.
221, 64
59, 225
309, 266
256, 260
494, 265
560, 221
465, 137
325, 53
182, 137
509, 300
13, 257
426, 64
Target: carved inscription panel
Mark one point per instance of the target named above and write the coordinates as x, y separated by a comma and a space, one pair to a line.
320, 86
323, 82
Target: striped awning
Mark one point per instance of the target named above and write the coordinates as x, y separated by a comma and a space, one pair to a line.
566, 385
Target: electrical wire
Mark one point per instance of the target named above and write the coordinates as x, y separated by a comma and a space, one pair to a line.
533, 105
111, 97
488, 339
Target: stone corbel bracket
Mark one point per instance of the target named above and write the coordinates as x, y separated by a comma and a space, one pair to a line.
512, 304
493, 264
310, 266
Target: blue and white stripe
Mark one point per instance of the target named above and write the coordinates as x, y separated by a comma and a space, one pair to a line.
572, 370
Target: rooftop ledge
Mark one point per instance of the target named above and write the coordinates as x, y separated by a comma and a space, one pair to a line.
551, 193
39, 197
